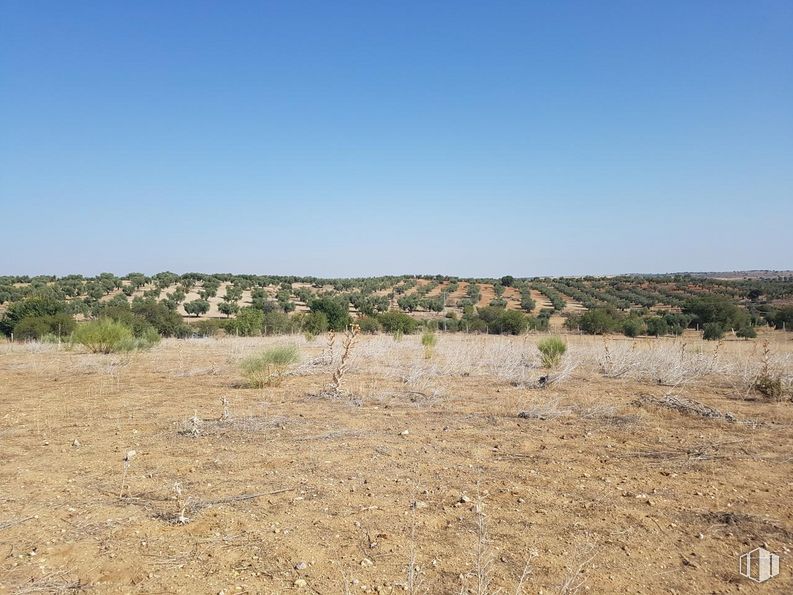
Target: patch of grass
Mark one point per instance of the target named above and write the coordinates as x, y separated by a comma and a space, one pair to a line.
551, 351
106, 336
429, 340
267, 368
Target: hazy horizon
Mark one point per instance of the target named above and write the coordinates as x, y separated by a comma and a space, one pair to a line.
783, 272
366, 139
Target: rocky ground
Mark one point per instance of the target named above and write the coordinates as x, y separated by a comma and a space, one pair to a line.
163, 472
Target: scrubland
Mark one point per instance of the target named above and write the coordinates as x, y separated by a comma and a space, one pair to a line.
632, 465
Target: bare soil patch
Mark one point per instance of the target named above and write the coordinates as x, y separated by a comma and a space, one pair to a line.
422, 459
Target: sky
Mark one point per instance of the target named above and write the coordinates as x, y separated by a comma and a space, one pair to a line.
359, 138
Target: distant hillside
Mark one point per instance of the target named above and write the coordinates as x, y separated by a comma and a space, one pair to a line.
725, 275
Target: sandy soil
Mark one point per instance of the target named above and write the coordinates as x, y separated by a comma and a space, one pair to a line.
424, 459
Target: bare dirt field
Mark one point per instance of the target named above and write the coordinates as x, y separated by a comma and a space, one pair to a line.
641, 466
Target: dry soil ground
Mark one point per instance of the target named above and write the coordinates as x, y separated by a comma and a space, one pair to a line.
427, 461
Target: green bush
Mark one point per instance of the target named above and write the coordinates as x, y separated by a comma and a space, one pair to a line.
267, 368
499, 321
369, 325
315, 323
35, 327
335, 309
37, 306
429, 340
633, 327
209, 327
598, 321
165, 321
31, 328
397, 321
551, 351
278, 323
146, 339
712, 331
782, 318
247, 323
108, 336
657, 326
746, 332
717, 309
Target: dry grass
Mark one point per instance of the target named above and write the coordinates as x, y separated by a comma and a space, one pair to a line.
270, 479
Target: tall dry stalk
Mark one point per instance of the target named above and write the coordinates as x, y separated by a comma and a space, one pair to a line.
327, 354
414, 582
181, 504
226, 414
580, 559
338, 375
128, 456
483, 556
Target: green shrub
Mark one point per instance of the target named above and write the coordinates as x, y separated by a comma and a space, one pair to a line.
657, 326
429, 340
503, 322
782, 318
712, 331
594, 322
633, 327
335, 309
104, 336
315, 323
746, 332
165, 321
147, 339
551, 351
31, 328
278, 323
717, 309
210, 327
369, 325
37, 306
247, 323
397, 321
35, 327
267, 368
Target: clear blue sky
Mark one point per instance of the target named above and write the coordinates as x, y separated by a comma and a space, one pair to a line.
368, 137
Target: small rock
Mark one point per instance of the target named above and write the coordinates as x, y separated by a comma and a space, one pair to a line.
405, 433
465, 499
366, 562
300, 583
76, 443
301, 566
